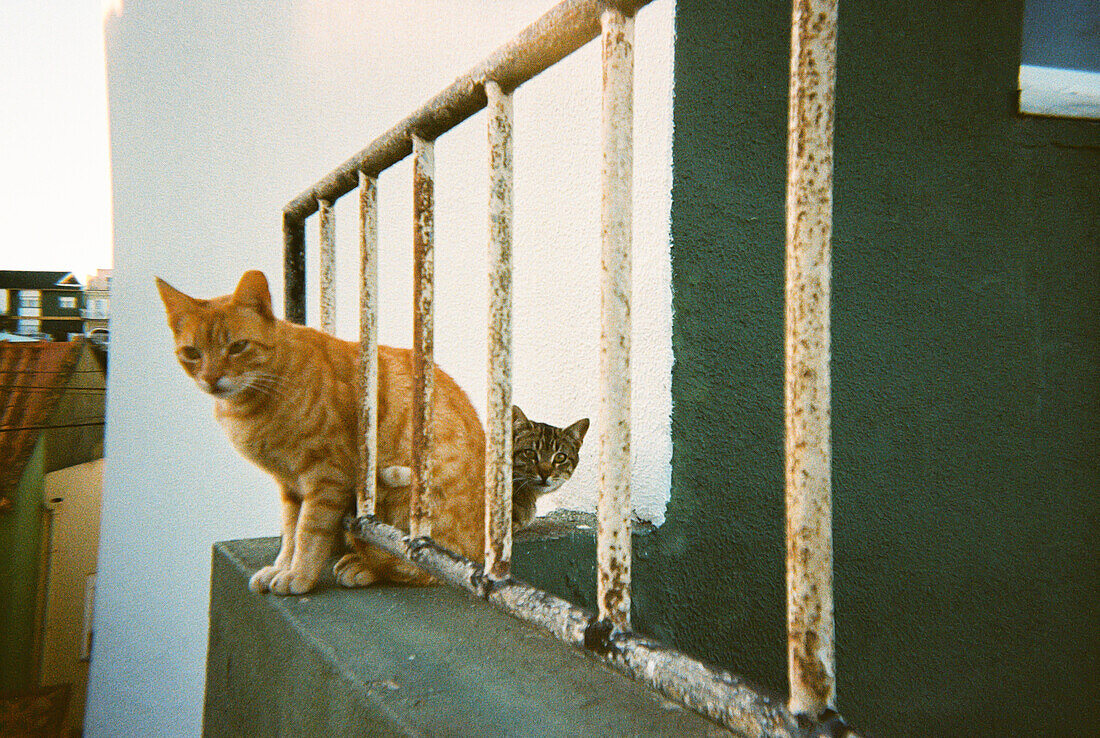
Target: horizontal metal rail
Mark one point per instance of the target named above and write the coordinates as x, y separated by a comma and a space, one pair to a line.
715, 693
562, 30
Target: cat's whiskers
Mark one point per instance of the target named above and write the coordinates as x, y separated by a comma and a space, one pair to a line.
526, 483
265, 383
264, 390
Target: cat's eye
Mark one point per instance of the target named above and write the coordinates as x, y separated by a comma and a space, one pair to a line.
189, 353
528, 453
237, 347
559, 458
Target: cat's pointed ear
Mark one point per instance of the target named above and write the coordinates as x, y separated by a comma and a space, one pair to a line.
578, 429
518, 418
176, 304
252, 292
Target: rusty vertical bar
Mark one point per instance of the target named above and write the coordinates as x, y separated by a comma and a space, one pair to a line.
368, 345
294, 270
327, 252
613, 507
810, 660
420, 523
498, 456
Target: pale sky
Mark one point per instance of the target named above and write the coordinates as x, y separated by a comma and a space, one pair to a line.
54, 164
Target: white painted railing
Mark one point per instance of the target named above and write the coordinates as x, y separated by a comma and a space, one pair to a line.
565, 28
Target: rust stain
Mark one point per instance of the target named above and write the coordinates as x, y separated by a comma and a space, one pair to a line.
614, 503
423, 349
294, 270
717, 694
327, 226
368, 345
498, 456
807, 393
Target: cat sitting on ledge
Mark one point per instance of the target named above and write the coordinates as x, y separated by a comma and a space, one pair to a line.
287, 396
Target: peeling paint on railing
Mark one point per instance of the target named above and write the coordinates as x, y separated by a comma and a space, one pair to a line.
368, 345
613, 505
420, 507
327, 226
498, 452
607, 634
294, 269
810, 661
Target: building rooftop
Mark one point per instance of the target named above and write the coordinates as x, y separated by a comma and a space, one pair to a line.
33, 378
14, 280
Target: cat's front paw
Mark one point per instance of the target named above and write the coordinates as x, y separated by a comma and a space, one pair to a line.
290, 583
353, 571
261, 580
395, 476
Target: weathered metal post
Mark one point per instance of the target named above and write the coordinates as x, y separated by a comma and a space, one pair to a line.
327, 252
294, 269
810, 658
498, 453
368, 345
613, 507
420, 523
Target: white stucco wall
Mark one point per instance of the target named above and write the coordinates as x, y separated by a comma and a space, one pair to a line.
220, 114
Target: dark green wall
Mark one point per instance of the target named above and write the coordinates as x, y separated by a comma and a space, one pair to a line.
20, 535
966, 418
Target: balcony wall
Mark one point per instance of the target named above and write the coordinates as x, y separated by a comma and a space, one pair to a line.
404, 661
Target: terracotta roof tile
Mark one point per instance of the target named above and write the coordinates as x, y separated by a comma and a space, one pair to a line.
33, 377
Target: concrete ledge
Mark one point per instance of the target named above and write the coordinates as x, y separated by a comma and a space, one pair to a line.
404, 661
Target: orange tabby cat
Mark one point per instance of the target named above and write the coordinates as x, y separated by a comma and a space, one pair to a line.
287, 396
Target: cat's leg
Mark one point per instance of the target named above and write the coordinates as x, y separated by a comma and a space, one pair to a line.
289, 508
323, 505
395, 476
369, 564
352, 570
523, 511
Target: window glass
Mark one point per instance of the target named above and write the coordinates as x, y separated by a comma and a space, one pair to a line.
1060, 58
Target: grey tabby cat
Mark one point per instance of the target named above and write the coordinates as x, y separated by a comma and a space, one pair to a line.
543, 459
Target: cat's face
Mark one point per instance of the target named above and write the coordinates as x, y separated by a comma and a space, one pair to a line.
226, 343
544, 457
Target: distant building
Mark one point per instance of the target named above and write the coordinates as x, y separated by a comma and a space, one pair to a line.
97, 300
44, 305
97, 312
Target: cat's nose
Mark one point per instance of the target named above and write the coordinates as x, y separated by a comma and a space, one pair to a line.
211, 381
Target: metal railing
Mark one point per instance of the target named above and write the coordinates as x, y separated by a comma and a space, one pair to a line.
565, 28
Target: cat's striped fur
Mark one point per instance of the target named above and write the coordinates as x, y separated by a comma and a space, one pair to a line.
287, 396
543, 458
